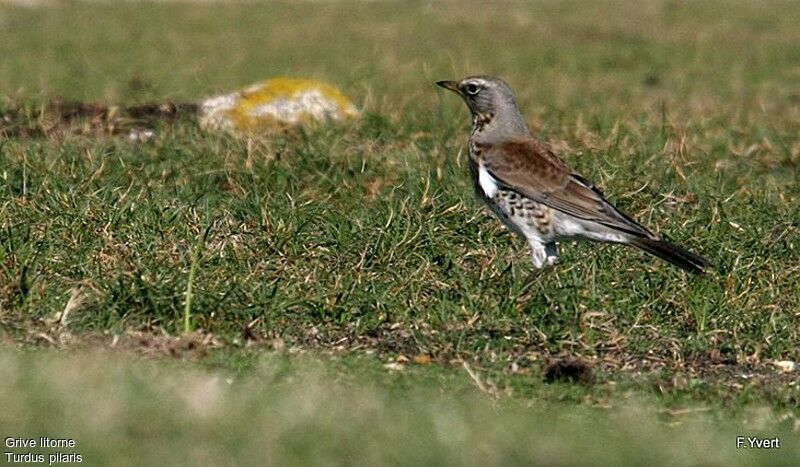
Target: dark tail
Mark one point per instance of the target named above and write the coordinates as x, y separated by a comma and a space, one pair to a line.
673, 253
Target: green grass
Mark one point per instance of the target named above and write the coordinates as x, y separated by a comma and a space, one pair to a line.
346, 412
363, 242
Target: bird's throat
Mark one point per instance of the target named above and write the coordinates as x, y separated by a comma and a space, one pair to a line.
480, 121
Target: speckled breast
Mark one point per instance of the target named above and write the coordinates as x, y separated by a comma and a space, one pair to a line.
524, 216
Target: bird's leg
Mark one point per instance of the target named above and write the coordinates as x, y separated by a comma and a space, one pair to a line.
542, 254
551, 249
538, 253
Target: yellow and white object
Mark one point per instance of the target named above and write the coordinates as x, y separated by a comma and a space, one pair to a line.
274, 103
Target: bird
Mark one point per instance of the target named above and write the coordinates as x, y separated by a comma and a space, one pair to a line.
533, 192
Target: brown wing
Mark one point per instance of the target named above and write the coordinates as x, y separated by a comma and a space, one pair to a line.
531, 168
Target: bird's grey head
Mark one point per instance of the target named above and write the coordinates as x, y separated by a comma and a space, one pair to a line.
492, 104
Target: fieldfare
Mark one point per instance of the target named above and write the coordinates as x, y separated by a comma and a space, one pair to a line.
533, 192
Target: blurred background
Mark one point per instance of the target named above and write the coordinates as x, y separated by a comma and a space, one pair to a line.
562, 54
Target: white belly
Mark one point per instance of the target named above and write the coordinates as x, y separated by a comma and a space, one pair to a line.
569, 227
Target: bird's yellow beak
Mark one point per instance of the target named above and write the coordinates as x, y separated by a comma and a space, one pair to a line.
451, 85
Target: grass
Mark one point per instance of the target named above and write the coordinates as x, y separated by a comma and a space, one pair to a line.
302, 412
363, 242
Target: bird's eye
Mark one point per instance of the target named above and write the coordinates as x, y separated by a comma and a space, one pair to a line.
472, 88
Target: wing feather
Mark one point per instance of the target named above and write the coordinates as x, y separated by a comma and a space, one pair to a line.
531, 168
